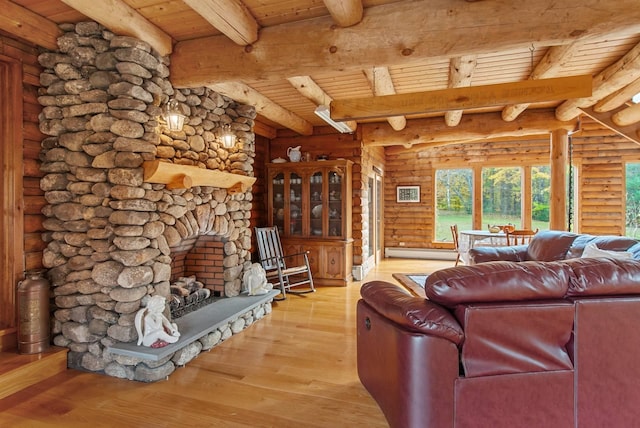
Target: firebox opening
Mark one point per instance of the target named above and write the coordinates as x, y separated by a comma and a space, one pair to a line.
197, 274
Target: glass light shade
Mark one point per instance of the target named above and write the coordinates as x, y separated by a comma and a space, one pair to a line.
227, 137
173, 116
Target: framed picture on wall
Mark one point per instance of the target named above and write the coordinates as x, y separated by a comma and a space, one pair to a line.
408, 193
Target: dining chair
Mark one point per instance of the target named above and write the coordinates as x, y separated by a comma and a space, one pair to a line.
273, 260
456, 240
520, 236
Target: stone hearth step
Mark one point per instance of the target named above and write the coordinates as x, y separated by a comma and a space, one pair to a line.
20, 371
197, 324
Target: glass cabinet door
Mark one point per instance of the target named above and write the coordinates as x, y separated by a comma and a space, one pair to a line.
315, 204
295, 204
277, 184
335, 204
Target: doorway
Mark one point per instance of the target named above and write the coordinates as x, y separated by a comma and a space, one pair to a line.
376, 231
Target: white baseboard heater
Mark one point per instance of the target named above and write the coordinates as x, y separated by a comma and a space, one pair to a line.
420, 253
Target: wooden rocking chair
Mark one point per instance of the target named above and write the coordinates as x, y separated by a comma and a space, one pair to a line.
273, 259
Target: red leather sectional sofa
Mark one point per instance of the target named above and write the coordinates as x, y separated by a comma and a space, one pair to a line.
507, 344
551, 245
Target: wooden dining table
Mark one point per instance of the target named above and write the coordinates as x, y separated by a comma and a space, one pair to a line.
468, 239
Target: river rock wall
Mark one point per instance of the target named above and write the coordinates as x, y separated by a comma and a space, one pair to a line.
109, 233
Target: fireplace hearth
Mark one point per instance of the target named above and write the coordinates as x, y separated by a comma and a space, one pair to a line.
200, 331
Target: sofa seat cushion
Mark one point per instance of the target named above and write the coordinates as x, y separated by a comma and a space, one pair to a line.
603, 276
412, 313
498, 281
518, 337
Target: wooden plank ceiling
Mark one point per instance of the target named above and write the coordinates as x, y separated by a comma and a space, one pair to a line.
289, 56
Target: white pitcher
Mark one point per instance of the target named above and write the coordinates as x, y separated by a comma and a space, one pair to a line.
294, 154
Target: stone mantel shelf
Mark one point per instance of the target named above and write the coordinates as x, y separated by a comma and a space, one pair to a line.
177, 176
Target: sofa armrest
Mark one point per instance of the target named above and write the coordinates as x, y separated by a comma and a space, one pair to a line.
515, 253
411, 375
411, 313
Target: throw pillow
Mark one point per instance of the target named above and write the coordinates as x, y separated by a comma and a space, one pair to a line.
592, 250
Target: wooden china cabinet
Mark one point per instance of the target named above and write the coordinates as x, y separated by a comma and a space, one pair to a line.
310, 203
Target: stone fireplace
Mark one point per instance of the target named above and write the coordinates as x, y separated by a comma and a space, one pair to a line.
113, 238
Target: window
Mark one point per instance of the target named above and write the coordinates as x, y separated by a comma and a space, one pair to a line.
454, 201
502, 196
572, 199
540, 196
632, 191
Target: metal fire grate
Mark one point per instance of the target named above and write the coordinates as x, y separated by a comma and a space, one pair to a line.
178, 310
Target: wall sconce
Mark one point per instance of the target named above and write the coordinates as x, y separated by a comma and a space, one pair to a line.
173, 116
227, 138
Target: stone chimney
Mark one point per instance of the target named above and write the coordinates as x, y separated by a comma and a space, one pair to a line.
110, 235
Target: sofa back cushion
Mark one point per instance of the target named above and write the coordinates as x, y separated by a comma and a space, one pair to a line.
635, 251
604, 242
550, 245
517, 337
603, 276
498, 281
512, 253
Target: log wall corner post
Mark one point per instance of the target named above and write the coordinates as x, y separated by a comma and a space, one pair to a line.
559, 154
12, 258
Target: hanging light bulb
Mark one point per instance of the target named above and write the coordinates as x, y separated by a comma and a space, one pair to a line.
227, 138
173, 116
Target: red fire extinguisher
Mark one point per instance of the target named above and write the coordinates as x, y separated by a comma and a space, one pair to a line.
33, 313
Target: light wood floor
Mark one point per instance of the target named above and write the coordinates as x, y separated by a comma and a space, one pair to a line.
295, 368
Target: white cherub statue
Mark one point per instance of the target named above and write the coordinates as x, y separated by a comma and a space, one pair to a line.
254, 280
154, 329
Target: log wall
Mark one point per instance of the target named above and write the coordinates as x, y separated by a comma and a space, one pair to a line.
22, 198
371, 158
259, 190
33, 196
601, 183
348, 146
600, 169
326, 142
600, 180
